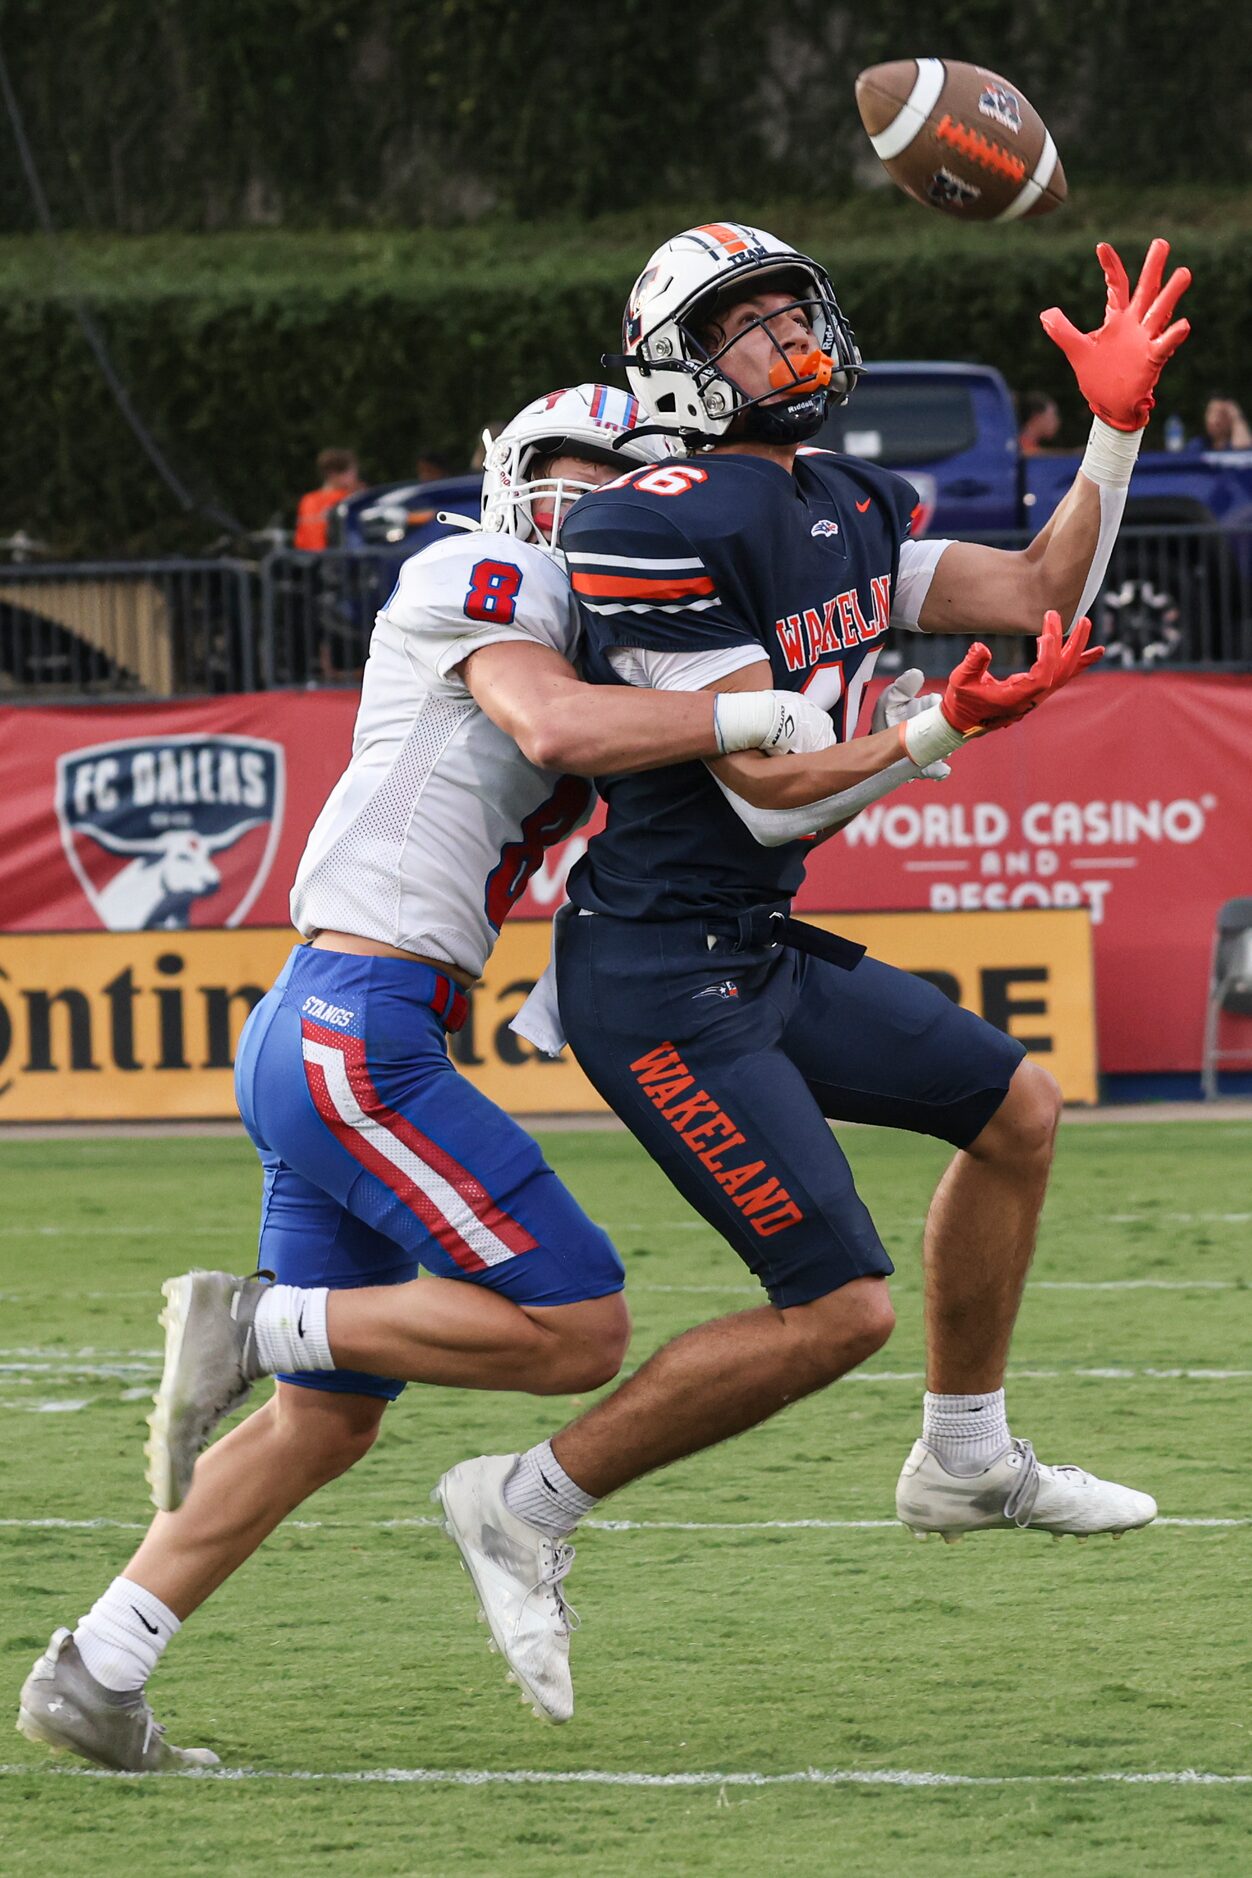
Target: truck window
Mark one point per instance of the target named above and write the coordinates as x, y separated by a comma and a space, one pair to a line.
894, 421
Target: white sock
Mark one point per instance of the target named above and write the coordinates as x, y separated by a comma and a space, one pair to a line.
290, 1326
123, 1634
967, 1432
541, 1492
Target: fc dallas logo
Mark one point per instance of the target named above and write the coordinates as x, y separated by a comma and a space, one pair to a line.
156, 826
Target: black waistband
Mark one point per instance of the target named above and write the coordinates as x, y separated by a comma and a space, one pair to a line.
768, 926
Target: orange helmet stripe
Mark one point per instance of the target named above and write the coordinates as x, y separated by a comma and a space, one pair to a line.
733, 243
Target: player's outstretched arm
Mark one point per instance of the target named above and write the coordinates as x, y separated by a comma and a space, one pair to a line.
1117, 365
564, 725
801, 795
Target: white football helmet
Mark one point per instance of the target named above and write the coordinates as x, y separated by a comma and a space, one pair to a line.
584, 420
692, 392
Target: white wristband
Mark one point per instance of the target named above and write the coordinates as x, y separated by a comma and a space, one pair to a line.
1110, 455
929, 737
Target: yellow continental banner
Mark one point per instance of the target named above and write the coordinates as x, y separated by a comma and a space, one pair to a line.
143, 1026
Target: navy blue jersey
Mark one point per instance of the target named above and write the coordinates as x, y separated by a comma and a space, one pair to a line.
716, 551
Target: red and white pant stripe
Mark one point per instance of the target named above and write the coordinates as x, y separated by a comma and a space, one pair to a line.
451, 1202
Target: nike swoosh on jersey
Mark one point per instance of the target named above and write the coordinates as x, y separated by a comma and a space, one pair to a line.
862, 506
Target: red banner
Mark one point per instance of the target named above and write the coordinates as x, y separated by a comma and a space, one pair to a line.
173, 815
1126, 795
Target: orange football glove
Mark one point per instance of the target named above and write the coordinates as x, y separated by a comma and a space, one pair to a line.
1118, 364
973, 701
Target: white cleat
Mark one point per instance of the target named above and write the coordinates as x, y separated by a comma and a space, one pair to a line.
64, 1708
210, 1365
517, 1572
1015, 1491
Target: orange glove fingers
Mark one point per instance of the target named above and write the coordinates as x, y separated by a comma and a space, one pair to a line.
973, 665
1151, 275
1161, 311
1115, 276
1073, 650
1168, 343
1043, 672
1062, 331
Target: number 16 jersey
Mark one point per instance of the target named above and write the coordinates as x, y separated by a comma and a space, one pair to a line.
433, 830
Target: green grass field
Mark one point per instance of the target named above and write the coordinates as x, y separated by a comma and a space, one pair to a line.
712, 1642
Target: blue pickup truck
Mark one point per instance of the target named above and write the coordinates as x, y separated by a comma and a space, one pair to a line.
1181, 578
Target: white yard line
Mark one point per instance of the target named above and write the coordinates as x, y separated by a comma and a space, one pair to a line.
594, 1525
594, 1777
52, 1373
47, 1370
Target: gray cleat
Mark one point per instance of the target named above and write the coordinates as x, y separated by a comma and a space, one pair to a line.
64, 1708
211, 1363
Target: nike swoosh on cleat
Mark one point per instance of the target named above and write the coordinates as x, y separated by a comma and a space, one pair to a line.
152, 1629
862, 506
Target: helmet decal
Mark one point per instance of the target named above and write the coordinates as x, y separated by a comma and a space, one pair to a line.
580, 421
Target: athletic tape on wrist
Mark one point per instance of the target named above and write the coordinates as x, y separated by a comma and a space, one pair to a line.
743, 720
929, 737
1110, 456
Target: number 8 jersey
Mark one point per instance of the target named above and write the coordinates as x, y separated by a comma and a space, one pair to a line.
432, 832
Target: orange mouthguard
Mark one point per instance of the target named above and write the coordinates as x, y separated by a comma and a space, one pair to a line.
792, 374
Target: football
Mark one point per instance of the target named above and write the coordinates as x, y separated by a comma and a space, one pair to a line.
961, 139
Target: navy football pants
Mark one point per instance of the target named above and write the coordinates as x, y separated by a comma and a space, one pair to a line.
726, 1064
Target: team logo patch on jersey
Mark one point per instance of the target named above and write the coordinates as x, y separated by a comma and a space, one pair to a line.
727, 988
824, 528
169, 832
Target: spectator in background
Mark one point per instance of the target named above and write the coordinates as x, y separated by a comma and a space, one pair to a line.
341, 477
1039, 421
432, 466
490, 432
1225, 426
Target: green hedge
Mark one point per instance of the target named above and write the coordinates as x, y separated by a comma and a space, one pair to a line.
247, 356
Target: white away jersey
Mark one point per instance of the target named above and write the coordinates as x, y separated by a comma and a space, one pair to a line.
433, 830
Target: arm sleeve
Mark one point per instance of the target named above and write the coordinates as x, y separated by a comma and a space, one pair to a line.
918, 561
470, 591
773, 828
640, 581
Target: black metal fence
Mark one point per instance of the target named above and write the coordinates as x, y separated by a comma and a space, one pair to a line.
153, 628
1175, 598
